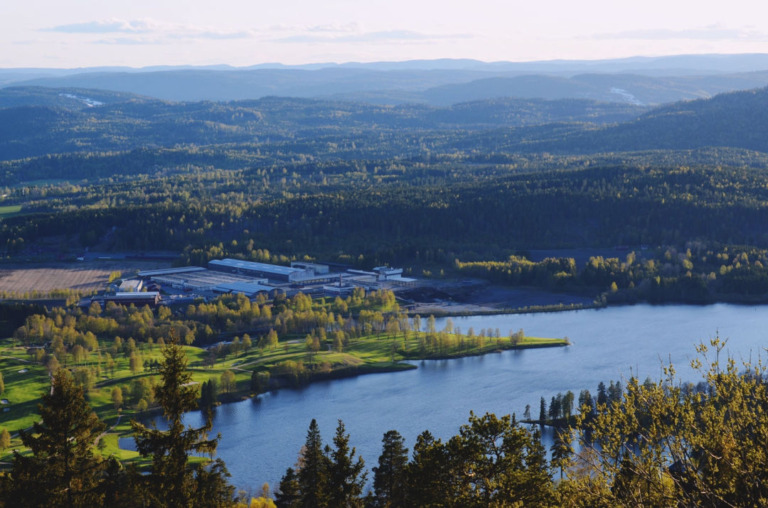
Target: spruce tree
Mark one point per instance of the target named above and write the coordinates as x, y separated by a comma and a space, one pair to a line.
62, 469
173, 481
288, 494
389, 480
346, 476
313, 474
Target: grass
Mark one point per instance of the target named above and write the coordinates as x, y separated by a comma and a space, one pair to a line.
362, 355
9, 211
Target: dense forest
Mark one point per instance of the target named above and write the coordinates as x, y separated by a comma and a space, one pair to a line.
426, 187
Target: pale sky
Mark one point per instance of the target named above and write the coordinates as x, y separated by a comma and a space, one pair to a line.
87, 33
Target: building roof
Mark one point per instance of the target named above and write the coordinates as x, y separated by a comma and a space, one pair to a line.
251, 265
149, 295
247, 288
131, 285
169, 271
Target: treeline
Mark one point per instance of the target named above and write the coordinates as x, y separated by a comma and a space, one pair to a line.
491, 462
701, 273
427, 224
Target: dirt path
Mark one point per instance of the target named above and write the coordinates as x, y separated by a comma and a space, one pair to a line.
98, 438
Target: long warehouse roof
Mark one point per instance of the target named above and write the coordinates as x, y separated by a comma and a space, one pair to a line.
252, 265
168, 271
242, 287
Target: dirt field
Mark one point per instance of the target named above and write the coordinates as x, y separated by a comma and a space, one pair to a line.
478, 296
83, 276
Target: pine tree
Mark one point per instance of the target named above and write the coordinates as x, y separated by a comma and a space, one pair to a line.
428, 474
389, 480
172, 480
313, 474
208, 396
62, 469
561, 450
346, 477
288, 494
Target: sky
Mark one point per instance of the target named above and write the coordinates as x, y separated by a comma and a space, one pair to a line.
139, 33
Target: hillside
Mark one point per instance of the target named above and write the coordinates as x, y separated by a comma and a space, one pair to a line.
56, 121
737, 119
437, 84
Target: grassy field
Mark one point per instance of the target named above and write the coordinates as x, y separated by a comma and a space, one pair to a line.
26, 381
9, 211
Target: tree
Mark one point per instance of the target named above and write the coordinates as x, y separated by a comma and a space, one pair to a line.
247, 342
208, 395
288, 493
428, 473
663, 445
228, 383
172, 480
260, 381
117, 397
346, 477
389, 478
2, 384
62, 469
497, 462
313, 471
5, 439
561, 450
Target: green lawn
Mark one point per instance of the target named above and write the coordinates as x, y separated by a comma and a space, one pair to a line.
9, 211
26, 381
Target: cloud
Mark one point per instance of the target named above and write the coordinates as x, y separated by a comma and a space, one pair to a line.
372, 37
104, 27
147, 31
708, 33
335, 28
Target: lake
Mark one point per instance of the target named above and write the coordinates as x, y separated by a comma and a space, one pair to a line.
262, 437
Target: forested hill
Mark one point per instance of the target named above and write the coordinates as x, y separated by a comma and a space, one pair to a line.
61, 121
65, 98
627, 88
438, 85
55, 121
736, 119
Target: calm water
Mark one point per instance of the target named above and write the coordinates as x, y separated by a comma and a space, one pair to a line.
260, 439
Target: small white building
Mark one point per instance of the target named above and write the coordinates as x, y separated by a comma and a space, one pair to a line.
131, 286
387, 273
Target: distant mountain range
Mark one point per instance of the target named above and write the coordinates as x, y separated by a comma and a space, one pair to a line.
639, 80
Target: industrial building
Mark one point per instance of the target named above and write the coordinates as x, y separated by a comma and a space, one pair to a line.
249, 289
393, 276
131, 285
148, 274
306, 274
316, 268
252, 279
203, 280
151, 298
